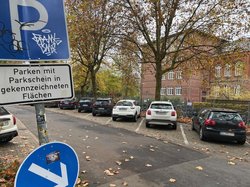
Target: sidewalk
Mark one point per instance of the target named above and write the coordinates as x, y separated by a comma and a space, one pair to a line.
20, 146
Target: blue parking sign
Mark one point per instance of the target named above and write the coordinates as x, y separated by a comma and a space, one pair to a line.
52, 165
33, 30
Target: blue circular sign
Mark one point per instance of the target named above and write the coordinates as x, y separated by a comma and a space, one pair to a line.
50, 165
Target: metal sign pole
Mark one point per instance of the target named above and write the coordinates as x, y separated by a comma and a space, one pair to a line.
41, 123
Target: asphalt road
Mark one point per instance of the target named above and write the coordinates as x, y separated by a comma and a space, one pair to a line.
135, 159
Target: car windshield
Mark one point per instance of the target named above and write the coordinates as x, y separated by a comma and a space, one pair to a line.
102, 102
161, 106
227, 116
124, 103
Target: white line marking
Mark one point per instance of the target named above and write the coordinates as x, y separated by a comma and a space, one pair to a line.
108, 121
247, 142
136, 130
184, 135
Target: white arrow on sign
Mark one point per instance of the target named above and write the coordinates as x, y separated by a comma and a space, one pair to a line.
60, 181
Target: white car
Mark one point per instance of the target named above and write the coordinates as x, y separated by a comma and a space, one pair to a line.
126, 109
161, 113
8, 127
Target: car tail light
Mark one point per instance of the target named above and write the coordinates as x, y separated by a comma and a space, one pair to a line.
242, 125
209, 122
148, 112
173, 113
14, 119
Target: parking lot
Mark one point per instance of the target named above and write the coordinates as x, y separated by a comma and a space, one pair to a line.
182, 136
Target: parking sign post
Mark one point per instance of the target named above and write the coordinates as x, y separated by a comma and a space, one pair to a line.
41, 123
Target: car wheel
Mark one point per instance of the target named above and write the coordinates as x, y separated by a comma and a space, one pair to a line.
114, 118
201, 133
79, 110
174, 126
135, 117
93, 114
241, 142
147, 125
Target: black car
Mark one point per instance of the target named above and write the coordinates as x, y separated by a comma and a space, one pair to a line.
220, 124
68, 104
103, 106
85, 104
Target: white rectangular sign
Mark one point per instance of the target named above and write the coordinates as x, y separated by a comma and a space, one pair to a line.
35, 83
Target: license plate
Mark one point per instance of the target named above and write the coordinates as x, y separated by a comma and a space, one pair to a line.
227, 133
122, 109
161, 113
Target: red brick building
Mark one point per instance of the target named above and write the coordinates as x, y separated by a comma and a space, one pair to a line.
197, 85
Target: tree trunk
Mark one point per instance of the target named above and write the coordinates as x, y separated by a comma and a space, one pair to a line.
158, 77
93, 82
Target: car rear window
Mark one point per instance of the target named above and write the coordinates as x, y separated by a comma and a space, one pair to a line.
102, 102
3, 111
161, 106
227, 116
124, 103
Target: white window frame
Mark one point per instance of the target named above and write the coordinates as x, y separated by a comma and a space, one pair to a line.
163, 91
218, 71
178, 91
238, 69
171, 75
179, 75
227, 70
170, 91
237, 90
163, 77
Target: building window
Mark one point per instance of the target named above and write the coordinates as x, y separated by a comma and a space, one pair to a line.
238, 69
163, 91
237, 90
179, 75
218, 71
227, 71
163, 77
170, 91
178, 91
170, 75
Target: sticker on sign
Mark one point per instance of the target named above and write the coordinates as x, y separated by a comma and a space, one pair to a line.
35, 83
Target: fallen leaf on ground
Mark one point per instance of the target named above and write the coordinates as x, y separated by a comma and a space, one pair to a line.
112, 185
85, 183
118, 163
108, 172
124, 183
199, 168
148, 165
232, 163
172, 180
88, 158
131, 157
78, 181
126, 160
152, 150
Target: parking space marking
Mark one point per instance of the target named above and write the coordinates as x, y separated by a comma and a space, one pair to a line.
184, 135
108, 121
88, 115
136, 130
247, 142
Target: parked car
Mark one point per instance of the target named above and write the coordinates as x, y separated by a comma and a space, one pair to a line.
85, 104
161, 113
8, 127
102, 106
126, 109
221, 124
68, 104
51, 104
